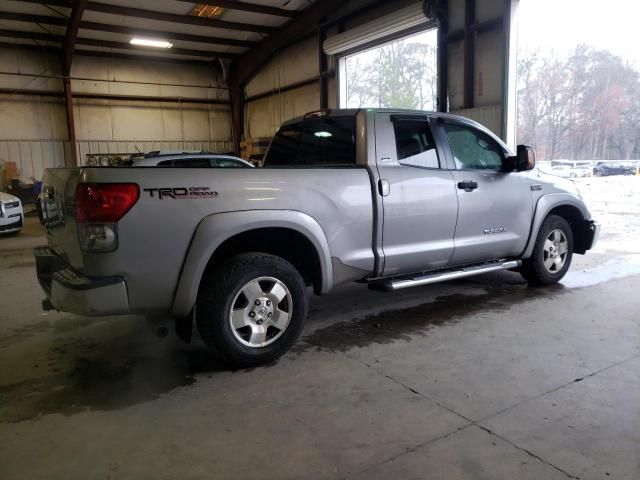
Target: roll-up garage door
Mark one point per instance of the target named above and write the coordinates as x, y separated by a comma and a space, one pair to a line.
393, 23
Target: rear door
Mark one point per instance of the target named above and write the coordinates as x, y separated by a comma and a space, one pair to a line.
495, 207
419, 198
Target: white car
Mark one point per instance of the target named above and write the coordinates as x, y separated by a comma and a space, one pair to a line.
186, 160
581, 171
563, 171
11, 214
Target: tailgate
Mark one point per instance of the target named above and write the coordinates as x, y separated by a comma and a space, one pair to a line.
57, 201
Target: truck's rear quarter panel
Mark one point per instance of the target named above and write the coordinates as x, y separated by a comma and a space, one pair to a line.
154, 236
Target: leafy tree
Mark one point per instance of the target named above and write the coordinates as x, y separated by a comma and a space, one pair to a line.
584, 106
399, 75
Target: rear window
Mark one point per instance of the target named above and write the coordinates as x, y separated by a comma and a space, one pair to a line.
227, 163
317, 142
192, 163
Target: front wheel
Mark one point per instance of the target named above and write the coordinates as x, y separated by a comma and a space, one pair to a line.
552, 253
251, 309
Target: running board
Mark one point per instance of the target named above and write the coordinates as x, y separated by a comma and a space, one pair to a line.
399, 283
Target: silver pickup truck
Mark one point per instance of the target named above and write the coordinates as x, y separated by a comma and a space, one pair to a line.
391, 198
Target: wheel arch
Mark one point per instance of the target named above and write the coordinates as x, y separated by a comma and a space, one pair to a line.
295, 236
567, 206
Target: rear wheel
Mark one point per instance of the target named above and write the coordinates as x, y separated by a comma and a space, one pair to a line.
251, 309
552, 253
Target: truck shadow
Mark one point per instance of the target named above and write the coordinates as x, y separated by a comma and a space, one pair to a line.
106, 366
392, 325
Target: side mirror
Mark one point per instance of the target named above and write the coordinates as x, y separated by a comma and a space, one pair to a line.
526, 158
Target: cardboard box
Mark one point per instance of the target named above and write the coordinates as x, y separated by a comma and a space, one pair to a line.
252, 147
10, 171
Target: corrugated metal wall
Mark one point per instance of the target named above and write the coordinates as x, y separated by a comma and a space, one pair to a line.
34, 156
33, 130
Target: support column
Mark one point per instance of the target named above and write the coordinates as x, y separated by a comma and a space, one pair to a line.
510, 110
469, 51
322, 69
236, 97
443, 59
71, 128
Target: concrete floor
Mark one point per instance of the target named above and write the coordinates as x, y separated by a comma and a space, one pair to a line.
482, 379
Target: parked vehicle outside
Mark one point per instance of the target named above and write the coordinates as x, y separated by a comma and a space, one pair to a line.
11, 214
187, 160
389, 198
563, 171
605, 169
581, 171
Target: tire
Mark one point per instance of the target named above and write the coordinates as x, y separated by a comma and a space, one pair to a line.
550, 262
257, 333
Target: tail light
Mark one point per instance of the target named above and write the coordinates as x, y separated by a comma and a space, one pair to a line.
99, 206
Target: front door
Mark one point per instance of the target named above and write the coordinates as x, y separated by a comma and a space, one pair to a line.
495, 207
419, 198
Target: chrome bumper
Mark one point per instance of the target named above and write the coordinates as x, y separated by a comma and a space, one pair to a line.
69, 291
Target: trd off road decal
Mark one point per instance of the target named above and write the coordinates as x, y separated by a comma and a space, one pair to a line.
178, 193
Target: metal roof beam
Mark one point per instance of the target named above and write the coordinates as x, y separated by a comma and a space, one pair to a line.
45, 37
250, 7
94, 42
245, 66
105, 54
228, 4
137, 58
27, 17
174, 18
71, 36
55, 3
29, 46
103, 27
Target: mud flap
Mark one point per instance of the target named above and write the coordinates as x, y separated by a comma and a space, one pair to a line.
184, 326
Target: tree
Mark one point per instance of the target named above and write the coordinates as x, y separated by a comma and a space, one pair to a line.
584, 106
398, 75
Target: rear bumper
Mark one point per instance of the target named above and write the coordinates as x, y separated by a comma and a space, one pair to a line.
69, 291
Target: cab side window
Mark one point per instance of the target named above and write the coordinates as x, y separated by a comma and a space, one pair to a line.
414, 144
473, 149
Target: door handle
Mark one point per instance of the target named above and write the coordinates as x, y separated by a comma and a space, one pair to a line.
383, 187
468, 185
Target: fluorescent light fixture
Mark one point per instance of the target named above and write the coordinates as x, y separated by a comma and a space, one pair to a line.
147, 42
323, 134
